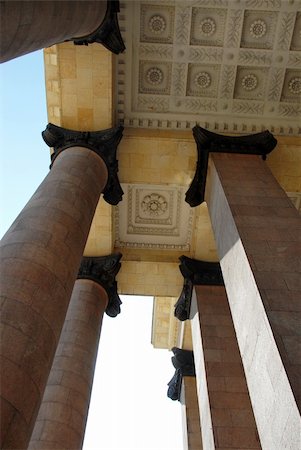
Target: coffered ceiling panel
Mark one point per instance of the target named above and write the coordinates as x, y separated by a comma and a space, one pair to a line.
228, 65
154, 217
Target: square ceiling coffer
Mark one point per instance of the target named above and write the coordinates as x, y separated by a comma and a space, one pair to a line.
153, 216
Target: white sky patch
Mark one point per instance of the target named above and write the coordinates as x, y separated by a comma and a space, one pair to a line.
129, 408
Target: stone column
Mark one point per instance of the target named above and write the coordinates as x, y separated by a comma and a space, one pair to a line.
182, 387
61, 421
27, 26
257, 232
227, 418
40, 258
226, 415
190, 415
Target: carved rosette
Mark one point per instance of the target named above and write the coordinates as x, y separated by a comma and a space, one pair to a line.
253, 144
108, 33
103, 270
104, 143
183, 362
195, 272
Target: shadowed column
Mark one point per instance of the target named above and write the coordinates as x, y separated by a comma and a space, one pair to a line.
40, 258
226, 415
257, 232
61, 421
27, 26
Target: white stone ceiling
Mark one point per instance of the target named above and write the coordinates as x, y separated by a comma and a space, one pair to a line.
154, 217
228, 65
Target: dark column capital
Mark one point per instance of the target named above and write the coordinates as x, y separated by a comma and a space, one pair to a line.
183, 362
252, 144
104, 143
108, 33
195, 272
103, 270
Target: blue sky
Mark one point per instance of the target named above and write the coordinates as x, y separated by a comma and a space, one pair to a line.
129, 409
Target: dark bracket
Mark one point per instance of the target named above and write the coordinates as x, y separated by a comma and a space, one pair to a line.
183, 362
103, 270
108, 33
253, 144
104, 143
195, 272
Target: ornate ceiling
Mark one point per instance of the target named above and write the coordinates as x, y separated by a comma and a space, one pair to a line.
154, 217
228, 65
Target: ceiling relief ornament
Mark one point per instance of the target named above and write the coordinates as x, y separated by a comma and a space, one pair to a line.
208, 27
154, 204
154, 78
210, 62
156, 26
202, 80
258, 29
294, 85
153, 216
249, 82
202, 83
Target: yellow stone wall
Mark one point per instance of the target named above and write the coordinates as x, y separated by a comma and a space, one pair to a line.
285, 163
79, 86
150, 278
165, 327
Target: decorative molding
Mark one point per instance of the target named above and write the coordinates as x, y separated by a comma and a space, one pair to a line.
294, 59
179, 78
254, 57
248, 108
227, 81
155, 50
104, 143
154, 104
263, 4
195, 272
103, 270
183, 362
290, 110
108, 33
234, 26
275, 84
204, 54
256, 144
182, 25
286, 28
197, 105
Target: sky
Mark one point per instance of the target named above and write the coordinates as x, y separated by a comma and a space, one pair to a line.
129, 409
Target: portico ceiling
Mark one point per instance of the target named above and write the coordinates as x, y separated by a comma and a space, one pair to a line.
228, 65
